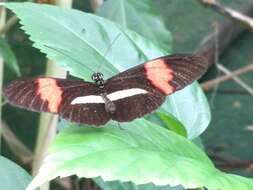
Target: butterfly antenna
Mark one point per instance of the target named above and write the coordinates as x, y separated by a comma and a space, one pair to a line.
107, 50
120, 126
75, 60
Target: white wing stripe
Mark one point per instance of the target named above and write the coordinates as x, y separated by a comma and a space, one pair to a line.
88, 99
125, 93
113, 96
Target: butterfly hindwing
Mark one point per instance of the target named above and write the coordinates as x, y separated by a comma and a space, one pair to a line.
55, 96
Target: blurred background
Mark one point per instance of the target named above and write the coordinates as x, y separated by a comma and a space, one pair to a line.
229, 137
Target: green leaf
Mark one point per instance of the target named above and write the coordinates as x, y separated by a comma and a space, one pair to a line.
140, 16
117, 185
12, 176
9, 57
78, 41
172, 123
191, 108
142, 153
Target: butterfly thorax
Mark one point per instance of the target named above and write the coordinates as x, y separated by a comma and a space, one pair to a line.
99, 81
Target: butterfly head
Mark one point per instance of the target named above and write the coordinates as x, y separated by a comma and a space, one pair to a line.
98, 78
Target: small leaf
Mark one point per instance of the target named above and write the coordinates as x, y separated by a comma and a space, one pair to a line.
9, 57
172, 123
191, 108
140, 16
12, 176
142, 153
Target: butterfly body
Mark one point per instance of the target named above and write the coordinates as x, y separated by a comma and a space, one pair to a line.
124, 97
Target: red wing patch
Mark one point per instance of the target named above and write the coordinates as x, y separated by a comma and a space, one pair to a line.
159, 74
49, 91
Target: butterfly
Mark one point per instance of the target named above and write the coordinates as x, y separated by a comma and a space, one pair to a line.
124, 97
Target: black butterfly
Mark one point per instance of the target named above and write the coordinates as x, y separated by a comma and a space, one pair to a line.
124, 97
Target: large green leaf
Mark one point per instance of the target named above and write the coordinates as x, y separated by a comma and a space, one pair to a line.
78, 41
142, 153
12, 176
9, 57
140, 16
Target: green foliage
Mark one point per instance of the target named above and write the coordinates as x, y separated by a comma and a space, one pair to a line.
140, 16
12, 176
8, 56
142, 152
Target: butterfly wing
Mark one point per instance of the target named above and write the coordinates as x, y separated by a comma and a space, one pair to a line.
56, 96
142, 89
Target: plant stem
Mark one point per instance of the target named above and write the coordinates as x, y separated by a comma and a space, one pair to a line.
1, 84
95, 4
231, 13
2, 23
244, 85
227, 33
211, 83
16, 146
48, 122
47, 126
9, 24
64, 3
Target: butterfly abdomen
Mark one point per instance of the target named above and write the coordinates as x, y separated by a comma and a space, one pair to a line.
109, 105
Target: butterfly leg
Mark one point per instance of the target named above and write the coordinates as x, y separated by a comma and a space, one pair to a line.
120, 126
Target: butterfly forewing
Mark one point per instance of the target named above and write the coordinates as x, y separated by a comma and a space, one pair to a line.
56, 96
186, 68
159, 78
